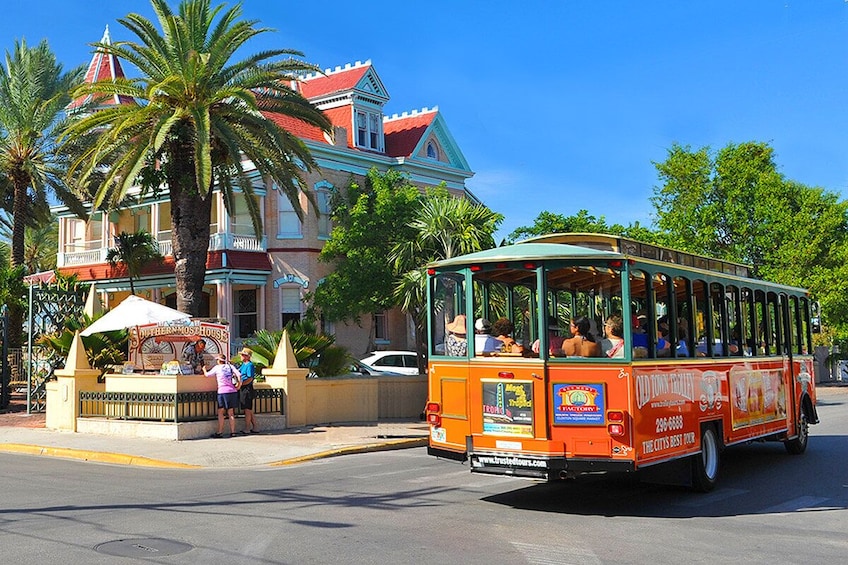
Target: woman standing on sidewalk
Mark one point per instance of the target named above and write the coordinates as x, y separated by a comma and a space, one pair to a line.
229, 381
246, 393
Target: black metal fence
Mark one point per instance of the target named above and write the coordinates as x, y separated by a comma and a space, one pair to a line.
49, 309
169, 407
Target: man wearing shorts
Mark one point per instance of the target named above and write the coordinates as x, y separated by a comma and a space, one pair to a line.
246, 392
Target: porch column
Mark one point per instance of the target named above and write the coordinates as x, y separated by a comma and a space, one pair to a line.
154, 221
260, 306
224, 297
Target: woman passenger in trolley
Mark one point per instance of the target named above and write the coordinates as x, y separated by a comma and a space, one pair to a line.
581, 343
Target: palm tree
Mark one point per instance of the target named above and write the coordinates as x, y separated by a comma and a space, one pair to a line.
446, 227
41, 243
33, 94
198, 112
135, 250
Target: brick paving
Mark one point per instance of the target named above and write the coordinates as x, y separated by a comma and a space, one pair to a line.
15, 415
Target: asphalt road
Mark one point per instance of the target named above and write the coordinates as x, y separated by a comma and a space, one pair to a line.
406, 507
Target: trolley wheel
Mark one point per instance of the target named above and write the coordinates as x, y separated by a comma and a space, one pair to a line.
798, 444
705, 464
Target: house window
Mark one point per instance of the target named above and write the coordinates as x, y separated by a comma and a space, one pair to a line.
245, 313
291, 304
324, 196
76, 236
241, 222
369, 131
288, 223
361, 129
141, 220
213, 217
95, 232
374, 130
381, 332
432, 151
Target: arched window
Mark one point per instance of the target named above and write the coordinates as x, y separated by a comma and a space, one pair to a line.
291, 305
432, 151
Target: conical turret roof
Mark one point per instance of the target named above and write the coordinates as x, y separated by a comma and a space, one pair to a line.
103, 66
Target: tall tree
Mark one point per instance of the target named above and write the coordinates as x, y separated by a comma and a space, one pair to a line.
198, 112
445, 227
33, 93
134, 250
734, 204
369, 219
41, 243
720, 204
582, 222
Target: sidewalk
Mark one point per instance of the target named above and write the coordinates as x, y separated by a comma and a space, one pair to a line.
22, 433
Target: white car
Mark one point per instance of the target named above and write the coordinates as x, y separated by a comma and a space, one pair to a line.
404, 362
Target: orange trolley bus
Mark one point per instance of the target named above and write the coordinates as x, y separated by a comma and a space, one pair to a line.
673, 356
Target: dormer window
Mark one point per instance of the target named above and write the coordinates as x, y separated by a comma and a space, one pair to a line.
369, 133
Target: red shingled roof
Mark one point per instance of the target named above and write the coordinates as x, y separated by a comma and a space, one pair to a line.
102, 67
333, 82
297, 127
403, 134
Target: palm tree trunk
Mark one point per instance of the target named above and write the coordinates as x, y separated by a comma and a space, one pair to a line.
19, 217
190, 214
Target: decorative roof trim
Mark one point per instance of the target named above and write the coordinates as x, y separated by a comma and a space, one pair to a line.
338, 69
409, 114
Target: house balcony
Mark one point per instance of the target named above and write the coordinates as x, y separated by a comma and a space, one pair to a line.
93, 252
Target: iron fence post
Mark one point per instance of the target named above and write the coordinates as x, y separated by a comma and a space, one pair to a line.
5, 393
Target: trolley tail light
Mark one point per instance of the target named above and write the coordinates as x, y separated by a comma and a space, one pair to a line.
434, 417
615, 426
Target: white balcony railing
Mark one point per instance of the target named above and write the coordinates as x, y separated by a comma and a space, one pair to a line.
236, 242
217, 242
88, 257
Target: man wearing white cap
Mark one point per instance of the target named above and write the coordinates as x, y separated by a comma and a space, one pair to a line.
484, 342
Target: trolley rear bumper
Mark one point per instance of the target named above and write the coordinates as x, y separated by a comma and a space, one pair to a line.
541, 467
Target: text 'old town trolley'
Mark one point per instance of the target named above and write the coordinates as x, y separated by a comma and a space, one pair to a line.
580, 353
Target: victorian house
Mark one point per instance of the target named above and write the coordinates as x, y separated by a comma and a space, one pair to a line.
261, 282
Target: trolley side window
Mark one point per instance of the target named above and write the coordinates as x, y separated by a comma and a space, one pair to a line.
446, 313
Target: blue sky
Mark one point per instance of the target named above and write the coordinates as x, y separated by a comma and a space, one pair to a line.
561, 105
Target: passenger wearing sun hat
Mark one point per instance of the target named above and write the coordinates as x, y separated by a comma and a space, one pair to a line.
246, 392
456, 345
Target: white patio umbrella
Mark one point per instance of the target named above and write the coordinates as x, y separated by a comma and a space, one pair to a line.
133, 311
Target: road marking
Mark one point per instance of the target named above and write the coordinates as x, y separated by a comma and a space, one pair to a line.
487, 481
698, 500
386, 474
538, 554
797, 505
440, 476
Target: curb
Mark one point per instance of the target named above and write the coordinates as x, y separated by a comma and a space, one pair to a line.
96, 456
350, 450
124, 459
